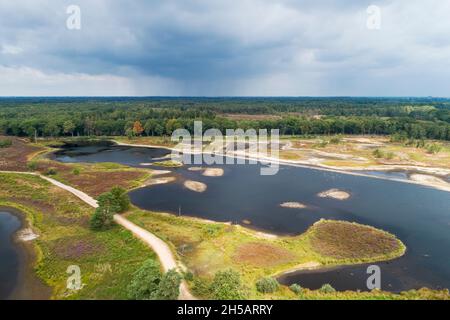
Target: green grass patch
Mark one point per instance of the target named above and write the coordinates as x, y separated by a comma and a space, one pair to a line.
107, 259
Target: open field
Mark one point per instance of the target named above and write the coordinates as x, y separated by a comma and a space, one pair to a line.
107, 259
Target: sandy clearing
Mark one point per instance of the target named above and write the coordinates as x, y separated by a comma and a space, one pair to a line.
293, 205
195, 186
334, 194
213, 172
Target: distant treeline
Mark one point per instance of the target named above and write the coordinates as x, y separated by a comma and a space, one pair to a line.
417, 118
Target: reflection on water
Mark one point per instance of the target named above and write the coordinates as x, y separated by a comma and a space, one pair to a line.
9, 258
419, 216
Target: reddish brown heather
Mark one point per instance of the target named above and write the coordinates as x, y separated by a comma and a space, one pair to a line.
15, 157
342, 240
262, 255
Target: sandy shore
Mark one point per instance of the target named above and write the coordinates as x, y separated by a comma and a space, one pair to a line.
156, 181
195, 186
160, 172
334, 194
311, 265
26, 235
428, 179
29, 286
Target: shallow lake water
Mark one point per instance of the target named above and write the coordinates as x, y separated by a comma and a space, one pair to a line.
9, 256
419, 216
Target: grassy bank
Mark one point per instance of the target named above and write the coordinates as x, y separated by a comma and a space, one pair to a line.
207, 247
107, 259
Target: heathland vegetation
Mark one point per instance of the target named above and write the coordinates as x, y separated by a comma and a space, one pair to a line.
222, 261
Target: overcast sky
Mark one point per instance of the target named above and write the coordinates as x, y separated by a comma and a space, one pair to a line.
225, 48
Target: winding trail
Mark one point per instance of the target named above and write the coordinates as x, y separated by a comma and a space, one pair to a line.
165, 255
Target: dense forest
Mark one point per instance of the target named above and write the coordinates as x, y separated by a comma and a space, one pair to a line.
417, 118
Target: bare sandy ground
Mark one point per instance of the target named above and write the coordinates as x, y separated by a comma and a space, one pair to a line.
213, 172
311, 265
195, 186
160, 172
428, 179
26, 235
293, 205
334, 194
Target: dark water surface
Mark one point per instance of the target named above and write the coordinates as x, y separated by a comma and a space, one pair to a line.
9, 256
419, 216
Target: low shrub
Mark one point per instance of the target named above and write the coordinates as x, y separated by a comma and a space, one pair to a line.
327, 288
32, 166
433, 148
295, 288
51, 172
227, 286
5, 143
267, 285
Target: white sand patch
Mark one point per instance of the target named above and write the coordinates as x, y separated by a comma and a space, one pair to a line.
311, 265
195, 186
334, 194
213, 172
160, 172
427, 179
26, 235
293, 205
157, 181
195, 169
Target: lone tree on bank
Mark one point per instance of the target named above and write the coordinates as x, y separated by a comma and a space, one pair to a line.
109, 204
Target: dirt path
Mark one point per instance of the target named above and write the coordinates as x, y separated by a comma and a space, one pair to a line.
163, 251
165, 255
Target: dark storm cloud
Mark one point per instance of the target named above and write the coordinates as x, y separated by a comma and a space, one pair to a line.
218, 47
